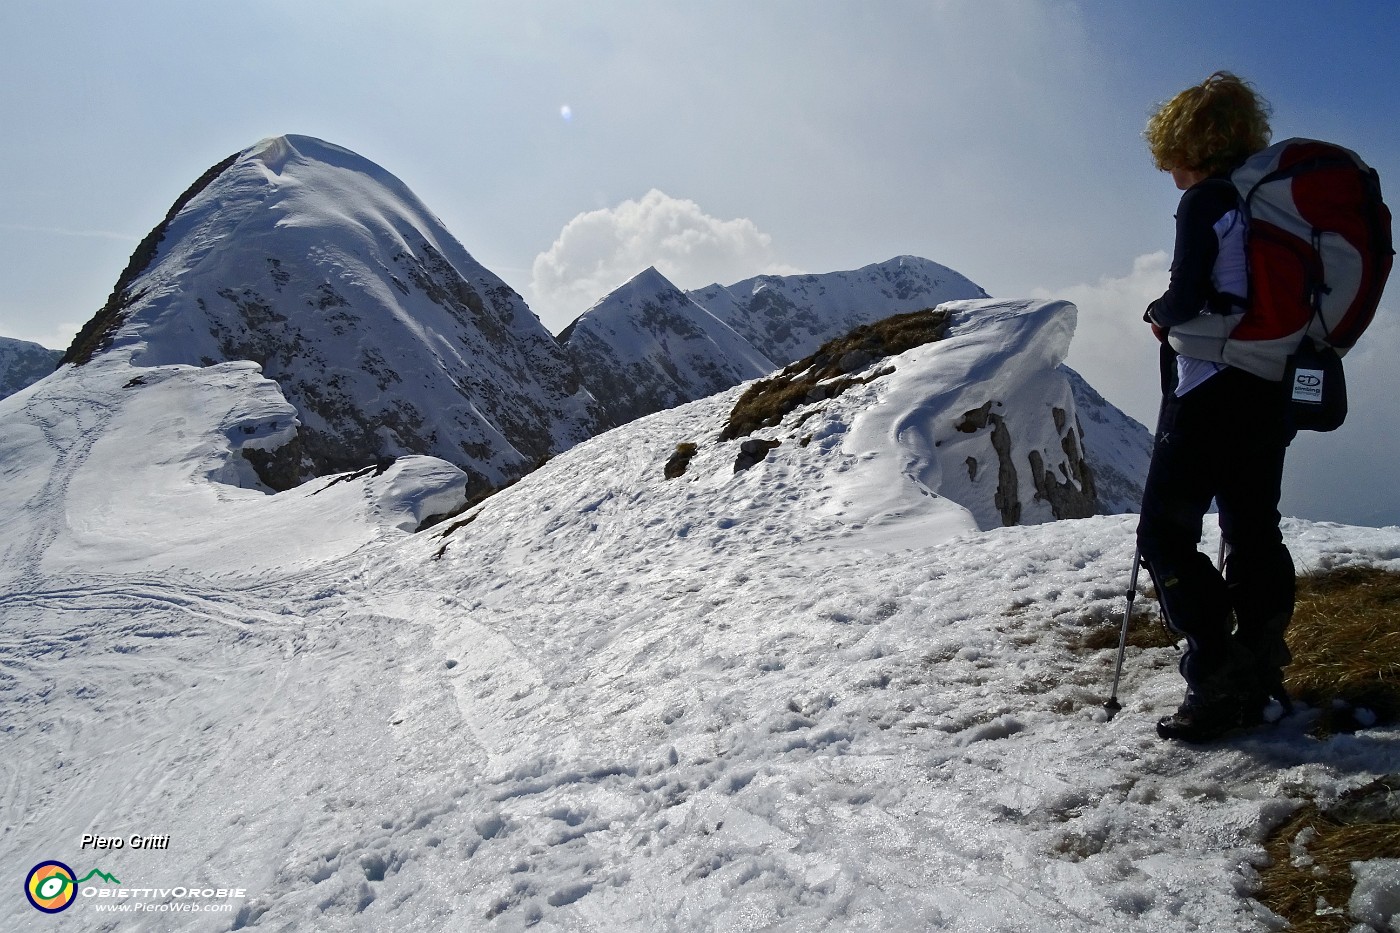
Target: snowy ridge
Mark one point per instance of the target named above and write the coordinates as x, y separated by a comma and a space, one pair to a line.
603, 699
982, 418
23, 363
383, 332
647, 347
885, 464
787, 317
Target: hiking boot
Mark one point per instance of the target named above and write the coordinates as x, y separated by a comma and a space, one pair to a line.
1198, 722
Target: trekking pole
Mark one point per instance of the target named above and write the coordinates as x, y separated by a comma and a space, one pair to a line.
1113, 706
1168, 368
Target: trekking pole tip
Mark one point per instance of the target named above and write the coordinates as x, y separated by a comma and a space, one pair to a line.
1112, 706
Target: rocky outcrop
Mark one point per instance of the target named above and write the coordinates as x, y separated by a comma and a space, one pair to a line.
1006, 497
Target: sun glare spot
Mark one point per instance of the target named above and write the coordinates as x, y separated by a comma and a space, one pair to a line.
566, 113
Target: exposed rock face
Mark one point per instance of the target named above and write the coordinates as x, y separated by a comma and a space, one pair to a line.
1072, 493
1068, 489
1006, 500
23, 363
787, 317
647, 347
379, 327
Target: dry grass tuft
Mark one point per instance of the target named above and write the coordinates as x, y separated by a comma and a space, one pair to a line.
827, 373
680, 460
1345, 640
1145, 629
1309, 882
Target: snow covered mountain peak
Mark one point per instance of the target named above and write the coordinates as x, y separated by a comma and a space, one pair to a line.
649, 279
275, 151
786, 317
380, 328
646, 347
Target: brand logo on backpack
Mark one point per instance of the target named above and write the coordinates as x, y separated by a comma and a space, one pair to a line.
1307, 386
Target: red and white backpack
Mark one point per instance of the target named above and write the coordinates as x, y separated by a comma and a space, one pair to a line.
1319, 250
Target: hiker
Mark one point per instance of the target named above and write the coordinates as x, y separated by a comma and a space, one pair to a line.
1222, 433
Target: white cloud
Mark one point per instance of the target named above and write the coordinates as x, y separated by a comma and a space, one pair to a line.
1327, 477
1113, 349
599, 250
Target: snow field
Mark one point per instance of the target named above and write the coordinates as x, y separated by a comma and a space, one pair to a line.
610, 701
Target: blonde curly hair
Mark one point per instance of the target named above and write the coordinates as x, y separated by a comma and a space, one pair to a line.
1209, 128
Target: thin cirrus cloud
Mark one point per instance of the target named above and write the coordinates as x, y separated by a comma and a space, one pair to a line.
68, 232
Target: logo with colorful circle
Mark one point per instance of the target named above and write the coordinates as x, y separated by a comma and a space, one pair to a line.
52, 886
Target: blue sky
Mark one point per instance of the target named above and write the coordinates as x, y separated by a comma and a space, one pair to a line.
999, 137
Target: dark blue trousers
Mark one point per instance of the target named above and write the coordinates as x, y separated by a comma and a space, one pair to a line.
1225, 441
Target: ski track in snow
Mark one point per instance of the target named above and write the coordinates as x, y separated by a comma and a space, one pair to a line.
618, 702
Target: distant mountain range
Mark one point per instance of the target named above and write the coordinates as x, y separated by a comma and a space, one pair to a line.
388, 339
787, 317
23, 363
648, 346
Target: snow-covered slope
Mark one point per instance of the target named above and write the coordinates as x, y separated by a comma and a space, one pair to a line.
382, 331
809, 695
646, 347
121, 469
23, 363
787, 317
